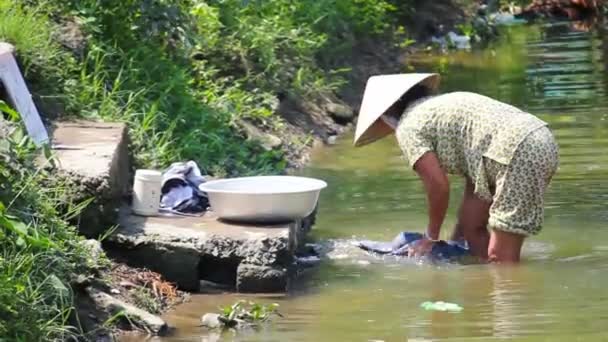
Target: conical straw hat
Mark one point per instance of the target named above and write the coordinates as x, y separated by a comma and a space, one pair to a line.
381, 92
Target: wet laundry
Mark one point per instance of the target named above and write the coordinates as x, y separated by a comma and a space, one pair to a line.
442, 250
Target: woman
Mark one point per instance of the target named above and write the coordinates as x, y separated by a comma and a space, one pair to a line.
506, 156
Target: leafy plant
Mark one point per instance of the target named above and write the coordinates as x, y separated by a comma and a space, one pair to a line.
145, 299
466, 29
403, 40
250, 312
12, 114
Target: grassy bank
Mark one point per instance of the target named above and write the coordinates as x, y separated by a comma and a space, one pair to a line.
40, 253
185, 74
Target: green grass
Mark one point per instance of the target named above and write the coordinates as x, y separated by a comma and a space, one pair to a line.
29, 30
43, 61
39, 254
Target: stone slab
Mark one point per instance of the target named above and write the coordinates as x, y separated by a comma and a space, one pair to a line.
86, 147
131, 314
94, 162
187, 249
255, 278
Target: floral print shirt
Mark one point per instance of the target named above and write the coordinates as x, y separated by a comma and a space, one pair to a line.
462, 128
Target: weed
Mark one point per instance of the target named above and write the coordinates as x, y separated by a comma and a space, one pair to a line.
249, 312
467, 29
145, 299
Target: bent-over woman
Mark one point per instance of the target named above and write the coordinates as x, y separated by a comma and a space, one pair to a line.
506, 156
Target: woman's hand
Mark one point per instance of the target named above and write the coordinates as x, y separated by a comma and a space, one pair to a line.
421, 248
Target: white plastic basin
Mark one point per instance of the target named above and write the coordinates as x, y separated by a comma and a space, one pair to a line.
263, 198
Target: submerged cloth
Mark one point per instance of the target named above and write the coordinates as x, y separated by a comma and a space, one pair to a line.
509, 155
462, 128
442, 250
180, 191
519, 188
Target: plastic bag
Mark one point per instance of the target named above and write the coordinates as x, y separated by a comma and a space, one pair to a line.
441, 306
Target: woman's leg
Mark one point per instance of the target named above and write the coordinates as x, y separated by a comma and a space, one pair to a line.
517, 210
505, 247
472, 222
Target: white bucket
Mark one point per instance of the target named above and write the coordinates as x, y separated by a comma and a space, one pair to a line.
146, 192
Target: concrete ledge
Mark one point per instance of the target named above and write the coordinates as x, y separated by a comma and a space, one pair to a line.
254, 278
93, 162
186, 250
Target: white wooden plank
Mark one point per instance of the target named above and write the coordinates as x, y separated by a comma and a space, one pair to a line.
20, 97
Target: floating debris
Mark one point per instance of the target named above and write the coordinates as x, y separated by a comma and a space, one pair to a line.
441, 306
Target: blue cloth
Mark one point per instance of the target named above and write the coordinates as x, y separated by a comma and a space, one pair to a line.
442, 250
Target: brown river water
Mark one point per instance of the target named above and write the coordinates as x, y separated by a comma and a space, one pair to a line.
558, 293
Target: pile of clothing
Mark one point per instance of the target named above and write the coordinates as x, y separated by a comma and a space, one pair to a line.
180, 193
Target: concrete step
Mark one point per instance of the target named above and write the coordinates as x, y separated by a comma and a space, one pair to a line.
94, 162
186, 250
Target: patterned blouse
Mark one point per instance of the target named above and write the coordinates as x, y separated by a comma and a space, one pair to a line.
462, 128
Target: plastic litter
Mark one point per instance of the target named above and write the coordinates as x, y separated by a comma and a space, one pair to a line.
459, 41
506, 19
441, 306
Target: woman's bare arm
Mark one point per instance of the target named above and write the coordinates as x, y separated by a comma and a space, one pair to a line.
437, 187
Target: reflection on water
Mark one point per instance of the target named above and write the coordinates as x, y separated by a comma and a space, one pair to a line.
557, 294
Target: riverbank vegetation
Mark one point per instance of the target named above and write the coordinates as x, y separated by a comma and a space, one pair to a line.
186, 74
40, 252
45, 266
